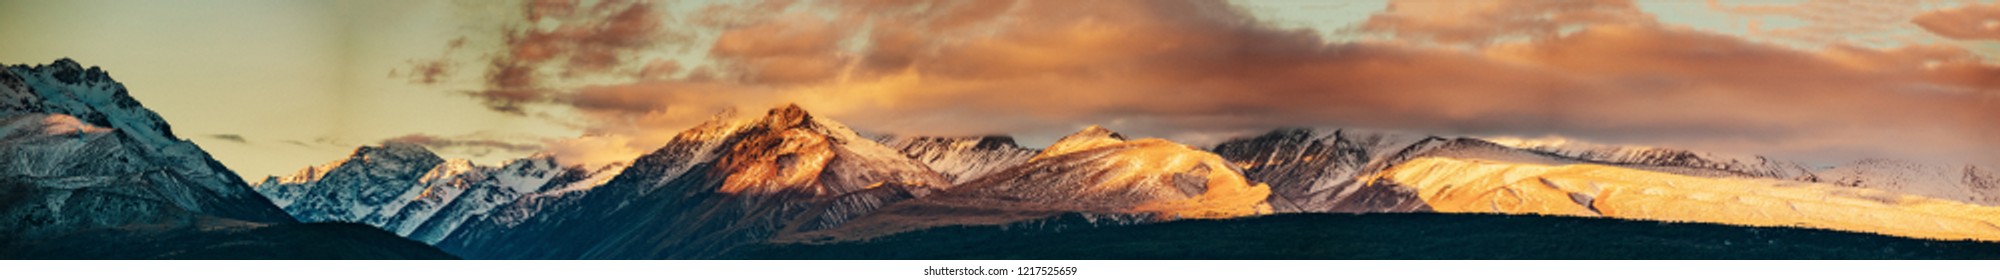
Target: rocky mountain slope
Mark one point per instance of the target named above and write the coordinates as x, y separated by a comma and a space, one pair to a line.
360, 186
1315, 171
962, 159
1968, 183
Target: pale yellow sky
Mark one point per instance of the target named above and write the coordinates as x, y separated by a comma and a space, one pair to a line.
275, 72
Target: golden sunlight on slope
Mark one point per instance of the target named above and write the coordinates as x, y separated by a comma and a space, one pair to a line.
768, 164
1206, 188
1095, 172
1089, 138
1466, 185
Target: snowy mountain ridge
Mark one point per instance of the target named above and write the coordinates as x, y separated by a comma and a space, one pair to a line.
962, 158
407, 189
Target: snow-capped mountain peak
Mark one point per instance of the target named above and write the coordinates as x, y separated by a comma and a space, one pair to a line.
353, 189
1088, 138
90, 94
406, 189
715, 186
790, 148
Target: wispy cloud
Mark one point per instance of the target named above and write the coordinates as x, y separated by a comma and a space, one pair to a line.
230, 137
468, 144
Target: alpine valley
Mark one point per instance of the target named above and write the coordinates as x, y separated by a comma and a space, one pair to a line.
90, 173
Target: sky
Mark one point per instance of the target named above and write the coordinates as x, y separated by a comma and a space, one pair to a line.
270, 87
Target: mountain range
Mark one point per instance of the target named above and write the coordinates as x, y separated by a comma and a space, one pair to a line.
790, 177
747, 187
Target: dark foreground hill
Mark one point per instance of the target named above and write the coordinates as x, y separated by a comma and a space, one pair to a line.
1382, 236
308, 241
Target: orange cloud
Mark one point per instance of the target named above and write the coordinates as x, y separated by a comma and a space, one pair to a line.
567, 39
1597, 70
1480, 22
1970, 22
1831, 21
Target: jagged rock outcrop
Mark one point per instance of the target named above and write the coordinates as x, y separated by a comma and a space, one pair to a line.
1311, 171
962, 159
713, 188
1094, 172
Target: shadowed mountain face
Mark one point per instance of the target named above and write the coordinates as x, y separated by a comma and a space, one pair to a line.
87, 168
1311, 171
711, 189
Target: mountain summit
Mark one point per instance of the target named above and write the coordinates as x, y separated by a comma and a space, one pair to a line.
713, 188
354, 188
1088, 138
